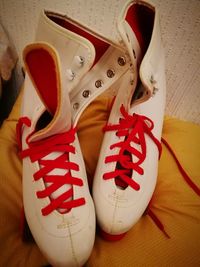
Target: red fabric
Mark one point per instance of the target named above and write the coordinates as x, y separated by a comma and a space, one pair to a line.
43, 72
109, 237
157, 222
133, 128
22, 121
141, 18
39, 149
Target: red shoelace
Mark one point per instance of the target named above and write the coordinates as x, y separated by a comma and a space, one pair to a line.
133, 129
37, 150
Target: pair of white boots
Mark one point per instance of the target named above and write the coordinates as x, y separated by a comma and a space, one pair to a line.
67, 67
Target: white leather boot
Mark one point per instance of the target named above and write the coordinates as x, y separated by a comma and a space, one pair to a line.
57, 202
126, 173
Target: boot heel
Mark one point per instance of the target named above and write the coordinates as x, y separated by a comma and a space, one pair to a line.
110, 237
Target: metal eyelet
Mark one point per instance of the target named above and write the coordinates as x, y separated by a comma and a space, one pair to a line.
121, 61
110, 73
99, 83
86, 93
76, 105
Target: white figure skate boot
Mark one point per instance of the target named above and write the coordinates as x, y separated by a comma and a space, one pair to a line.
126, 173
84, 65
57, 202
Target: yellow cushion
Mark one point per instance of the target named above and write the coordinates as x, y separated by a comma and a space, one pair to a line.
174, 203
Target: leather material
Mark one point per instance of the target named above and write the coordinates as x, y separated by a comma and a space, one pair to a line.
69, 45
119, 209
59, 235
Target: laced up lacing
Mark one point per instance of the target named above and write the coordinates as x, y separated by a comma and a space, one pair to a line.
37, 151
133, 128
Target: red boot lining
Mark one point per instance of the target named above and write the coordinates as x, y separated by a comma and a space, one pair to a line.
141, 19
42, 69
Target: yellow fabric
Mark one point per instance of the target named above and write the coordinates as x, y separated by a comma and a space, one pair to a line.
174, 202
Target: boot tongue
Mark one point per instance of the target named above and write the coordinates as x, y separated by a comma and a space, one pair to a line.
41, 61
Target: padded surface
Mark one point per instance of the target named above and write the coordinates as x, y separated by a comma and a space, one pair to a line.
174, 202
